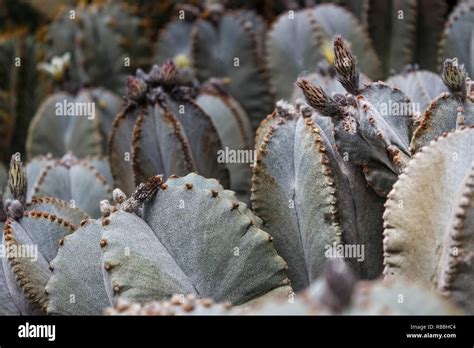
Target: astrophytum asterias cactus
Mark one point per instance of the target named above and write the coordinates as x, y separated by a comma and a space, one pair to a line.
450, 110
76, 120
31, 236
83, 183
299, 40
193, 237
311, 200
429, 235
169, 126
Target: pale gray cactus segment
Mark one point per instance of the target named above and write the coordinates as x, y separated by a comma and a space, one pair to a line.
228, 48
236, 134
309, 199
315, 29
458, 36
78, 122
428, 236
99, 37
421, 86
32, 233
450, 110
174, 125
212, 248
368, 130
336, 292
67, 178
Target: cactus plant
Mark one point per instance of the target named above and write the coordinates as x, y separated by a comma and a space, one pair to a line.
458, 32
81, 119
335, 292
421, 86
169, 126
105, 40
225, 45
428, 236
314, 29
31, 232
66, 178
211, 247
448, 111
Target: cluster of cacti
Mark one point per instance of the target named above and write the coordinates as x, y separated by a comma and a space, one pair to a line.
161, 183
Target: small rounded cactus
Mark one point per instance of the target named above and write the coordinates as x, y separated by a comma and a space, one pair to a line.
72, 119
66, 179
192, 237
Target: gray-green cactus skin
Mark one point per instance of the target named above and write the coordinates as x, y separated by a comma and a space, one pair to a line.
402, 31
428, 236
314, 29
192, 237
67, 178
336, 292
421, 86
344, 152
31, 236
77, 122
458, 30
222, 44
450, 110
310, 199
172, 125
106, 41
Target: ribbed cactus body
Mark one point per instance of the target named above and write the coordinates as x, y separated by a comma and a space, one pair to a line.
66, 179
174, 130
78, 123
428, 235
193, 237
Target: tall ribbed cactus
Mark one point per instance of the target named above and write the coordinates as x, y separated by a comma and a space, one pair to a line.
169, 126
314, 29
429, 219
